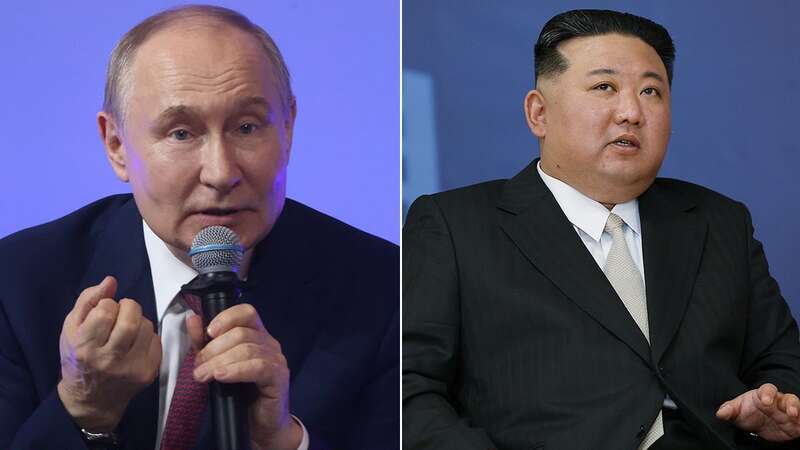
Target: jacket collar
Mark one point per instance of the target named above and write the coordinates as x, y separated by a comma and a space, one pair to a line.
672, 242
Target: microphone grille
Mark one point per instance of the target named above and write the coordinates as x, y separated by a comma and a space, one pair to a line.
216, 249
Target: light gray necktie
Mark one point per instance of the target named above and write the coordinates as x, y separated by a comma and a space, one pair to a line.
627, 282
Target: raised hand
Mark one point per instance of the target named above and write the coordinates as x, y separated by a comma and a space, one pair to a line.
773, 415
109, 353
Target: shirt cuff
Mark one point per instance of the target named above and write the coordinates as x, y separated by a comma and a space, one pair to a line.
304, 441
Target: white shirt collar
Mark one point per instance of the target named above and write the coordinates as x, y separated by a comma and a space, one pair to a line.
589, 215
168, 272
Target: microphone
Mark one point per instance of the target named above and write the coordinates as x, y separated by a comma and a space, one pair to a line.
216, 255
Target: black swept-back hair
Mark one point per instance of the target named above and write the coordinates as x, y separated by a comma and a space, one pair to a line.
548, 61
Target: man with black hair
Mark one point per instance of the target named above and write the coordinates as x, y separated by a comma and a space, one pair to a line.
584, 303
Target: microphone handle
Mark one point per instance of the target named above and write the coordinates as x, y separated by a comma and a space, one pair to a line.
219, 291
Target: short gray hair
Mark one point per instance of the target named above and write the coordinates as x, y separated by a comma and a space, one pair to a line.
118, 75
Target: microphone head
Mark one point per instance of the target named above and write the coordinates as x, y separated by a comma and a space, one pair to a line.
216, 249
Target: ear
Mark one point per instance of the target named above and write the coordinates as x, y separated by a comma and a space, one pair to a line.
535, 113
288, 123
112, 140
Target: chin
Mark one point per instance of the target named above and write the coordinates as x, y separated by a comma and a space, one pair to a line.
631, 191
251, 234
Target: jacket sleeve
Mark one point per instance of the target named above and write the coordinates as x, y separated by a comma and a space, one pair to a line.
772, 349
431, 418
28, 422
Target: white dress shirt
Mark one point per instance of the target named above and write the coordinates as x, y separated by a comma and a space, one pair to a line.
589, 217
169, 274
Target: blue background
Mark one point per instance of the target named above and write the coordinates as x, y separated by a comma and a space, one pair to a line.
468, 64
343, 58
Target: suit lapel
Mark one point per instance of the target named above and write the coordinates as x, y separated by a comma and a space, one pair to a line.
284, 286
672, 245
536, 224
120, 251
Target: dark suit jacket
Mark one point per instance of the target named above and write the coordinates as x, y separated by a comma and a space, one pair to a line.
326, 291
514, 339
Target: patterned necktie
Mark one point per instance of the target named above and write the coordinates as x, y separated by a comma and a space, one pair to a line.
626, 279
189, 400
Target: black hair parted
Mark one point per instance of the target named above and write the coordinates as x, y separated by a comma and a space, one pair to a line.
548, 61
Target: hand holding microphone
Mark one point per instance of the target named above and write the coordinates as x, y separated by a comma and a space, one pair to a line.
237, 349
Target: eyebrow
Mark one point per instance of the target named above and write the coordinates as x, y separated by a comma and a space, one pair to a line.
177, 111
174, 112
607, 71
255, 100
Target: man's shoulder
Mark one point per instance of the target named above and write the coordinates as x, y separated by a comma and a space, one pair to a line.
62, 239
471, 198
330, 235
361, 269
696, 194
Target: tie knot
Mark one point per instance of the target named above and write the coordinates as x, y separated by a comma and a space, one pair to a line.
614, 224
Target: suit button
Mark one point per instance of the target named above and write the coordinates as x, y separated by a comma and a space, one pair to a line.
641, 431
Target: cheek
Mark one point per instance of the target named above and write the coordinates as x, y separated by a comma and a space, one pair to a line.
661, 126
267, 167
163, 180
139, 172
583, 121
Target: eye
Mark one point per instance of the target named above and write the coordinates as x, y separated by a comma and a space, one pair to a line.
247, 128
180, 135
604, 87
650, 91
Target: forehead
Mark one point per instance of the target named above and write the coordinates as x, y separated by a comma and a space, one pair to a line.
616, 51
200, 62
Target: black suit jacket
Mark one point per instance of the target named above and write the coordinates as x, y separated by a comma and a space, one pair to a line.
514, 339
326, 291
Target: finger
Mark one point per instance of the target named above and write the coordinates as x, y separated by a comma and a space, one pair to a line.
142, 345
231, 339
98, 324
154, 352
767, 393
790, 404
146, 350
730, 410
146, 354
194, 325
265, 373
242, 352
89, 298
241, 315
779, 418
126, 328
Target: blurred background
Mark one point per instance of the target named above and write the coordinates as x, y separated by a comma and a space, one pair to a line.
468, 64
343, 59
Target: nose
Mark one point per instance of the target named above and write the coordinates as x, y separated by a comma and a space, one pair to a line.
219, 167
629, 109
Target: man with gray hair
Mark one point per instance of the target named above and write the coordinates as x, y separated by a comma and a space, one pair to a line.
198, 117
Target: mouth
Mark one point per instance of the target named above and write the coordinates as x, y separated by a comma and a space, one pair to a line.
219, 216
626, 141
219, 212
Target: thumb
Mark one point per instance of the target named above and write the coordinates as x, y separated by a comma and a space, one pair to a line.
194, 325
730, 410
89, 298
